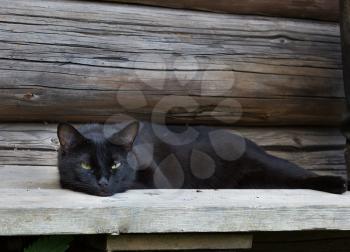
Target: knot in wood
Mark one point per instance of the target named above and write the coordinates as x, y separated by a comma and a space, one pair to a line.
29, 96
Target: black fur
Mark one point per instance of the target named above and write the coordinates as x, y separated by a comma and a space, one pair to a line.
236, 162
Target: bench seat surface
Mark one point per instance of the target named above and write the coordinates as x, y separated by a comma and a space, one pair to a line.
56, 211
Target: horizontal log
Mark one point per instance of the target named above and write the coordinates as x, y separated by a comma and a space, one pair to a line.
85, 61
28, 157
322, 162
314, 9
32, 136
31, 149
51, 211
28, 137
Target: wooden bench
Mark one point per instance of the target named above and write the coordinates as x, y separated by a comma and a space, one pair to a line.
89, 61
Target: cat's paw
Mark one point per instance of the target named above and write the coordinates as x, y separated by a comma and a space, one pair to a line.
331, 184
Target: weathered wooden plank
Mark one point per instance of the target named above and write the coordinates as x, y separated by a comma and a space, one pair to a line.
27, 136
315, 9
28, 157
297, 138
322, 162
163, 211
85, 61
29, 177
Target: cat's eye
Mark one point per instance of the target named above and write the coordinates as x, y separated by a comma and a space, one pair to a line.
85, 166
116, 165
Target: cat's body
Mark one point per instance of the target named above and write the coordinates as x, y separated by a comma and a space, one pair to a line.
155, 156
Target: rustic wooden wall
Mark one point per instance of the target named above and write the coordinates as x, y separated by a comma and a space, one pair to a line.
86, 61
313, 9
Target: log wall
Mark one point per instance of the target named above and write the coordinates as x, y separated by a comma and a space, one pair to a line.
86, 61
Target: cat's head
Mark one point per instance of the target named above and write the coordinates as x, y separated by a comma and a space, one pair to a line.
91, 163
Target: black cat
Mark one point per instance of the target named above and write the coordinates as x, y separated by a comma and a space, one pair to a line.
100, 160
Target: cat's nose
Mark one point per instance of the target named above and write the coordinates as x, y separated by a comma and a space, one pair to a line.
103, 182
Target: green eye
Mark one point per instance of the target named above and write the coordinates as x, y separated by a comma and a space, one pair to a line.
85, 166
116, 165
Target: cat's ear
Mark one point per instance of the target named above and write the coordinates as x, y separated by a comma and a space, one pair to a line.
68, 136
126, 136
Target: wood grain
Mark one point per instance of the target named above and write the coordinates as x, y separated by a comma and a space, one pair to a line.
51, 211
86, 61
314, 9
